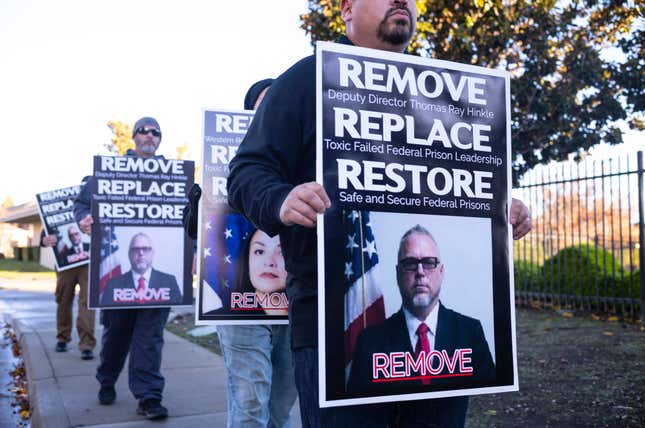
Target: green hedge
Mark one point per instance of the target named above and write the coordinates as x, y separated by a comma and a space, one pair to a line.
582, 270
528, 275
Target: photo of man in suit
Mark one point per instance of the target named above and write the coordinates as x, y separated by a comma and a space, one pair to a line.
78, 250
422, 324
141, 285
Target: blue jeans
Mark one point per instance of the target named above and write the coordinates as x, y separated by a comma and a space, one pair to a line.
438, 412
259, 373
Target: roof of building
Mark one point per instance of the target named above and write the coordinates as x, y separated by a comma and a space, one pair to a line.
23, 213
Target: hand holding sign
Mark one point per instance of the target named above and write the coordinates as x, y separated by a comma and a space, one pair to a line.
86, 224
520, 219
303, 203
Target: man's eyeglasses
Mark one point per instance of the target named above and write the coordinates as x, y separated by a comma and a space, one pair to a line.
411, 264
149, 131
144, 250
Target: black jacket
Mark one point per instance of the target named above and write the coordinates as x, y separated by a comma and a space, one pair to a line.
277, 154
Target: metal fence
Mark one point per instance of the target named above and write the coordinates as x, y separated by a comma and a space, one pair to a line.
585, 247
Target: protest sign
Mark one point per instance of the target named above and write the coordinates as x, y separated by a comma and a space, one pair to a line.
415, 156
56, 209
241, 271
140, 254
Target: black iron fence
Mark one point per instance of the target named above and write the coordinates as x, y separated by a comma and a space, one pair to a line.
585, 247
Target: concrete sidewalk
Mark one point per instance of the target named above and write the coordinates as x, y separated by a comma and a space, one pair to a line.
63, 390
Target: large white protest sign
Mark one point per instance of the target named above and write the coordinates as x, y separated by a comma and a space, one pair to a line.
415, 155
140, 254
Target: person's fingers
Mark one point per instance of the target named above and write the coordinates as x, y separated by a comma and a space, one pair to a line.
297, 218
312, 197
321, 193
296, 211
516, 207
522, 228
304, 209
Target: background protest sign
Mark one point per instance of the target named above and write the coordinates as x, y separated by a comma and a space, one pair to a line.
140, 254
415, 156
56, 209
241, 272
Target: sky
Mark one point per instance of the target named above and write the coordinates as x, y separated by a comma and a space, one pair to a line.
68, 67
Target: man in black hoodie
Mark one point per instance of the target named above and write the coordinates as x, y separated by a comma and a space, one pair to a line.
272, 182
138, 332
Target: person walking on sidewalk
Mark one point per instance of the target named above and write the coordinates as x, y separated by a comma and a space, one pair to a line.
260, 384
137, 331
66, 282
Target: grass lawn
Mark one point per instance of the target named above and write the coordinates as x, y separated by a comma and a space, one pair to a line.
13, 269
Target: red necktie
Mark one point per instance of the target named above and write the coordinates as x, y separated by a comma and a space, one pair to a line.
422, 345
141, 289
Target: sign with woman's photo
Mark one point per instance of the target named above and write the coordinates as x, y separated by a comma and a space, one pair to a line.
242, 278
140, 255
416, 249
56, 213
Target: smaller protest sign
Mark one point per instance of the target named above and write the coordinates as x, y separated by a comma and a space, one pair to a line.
242, 278
56, 213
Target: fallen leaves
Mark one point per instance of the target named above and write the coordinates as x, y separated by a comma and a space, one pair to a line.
18, 375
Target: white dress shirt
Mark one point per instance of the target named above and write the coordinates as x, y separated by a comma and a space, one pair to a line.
413, 324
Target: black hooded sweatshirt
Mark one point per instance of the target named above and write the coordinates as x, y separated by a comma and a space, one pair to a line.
277, 154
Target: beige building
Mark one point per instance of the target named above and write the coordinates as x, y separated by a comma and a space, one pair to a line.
20, 227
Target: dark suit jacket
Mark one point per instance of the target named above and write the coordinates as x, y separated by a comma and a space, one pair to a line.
157, 280
69, 251
454, 331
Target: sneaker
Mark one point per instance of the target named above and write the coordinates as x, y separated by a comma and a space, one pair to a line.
87, 354
152, 409
107, 395
61, 347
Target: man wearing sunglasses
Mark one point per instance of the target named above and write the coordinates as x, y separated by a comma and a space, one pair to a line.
139, 331
422, 324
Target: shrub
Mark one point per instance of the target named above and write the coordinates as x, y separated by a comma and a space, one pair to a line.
528, 275
584, 270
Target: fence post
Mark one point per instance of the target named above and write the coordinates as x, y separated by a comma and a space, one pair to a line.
641, 233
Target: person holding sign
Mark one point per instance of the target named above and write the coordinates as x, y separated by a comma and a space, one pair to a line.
450, 346
136, 331
260, 384
272, 182
66, 281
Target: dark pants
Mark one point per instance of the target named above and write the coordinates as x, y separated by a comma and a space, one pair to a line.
140, 332
439, 412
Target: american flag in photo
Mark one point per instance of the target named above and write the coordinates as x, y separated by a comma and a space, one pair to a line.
364, 306
225, 235
110, 264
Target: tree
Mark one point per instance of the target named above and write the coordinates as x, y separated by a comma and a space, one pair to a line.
8, 202
121, 139
567, 92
